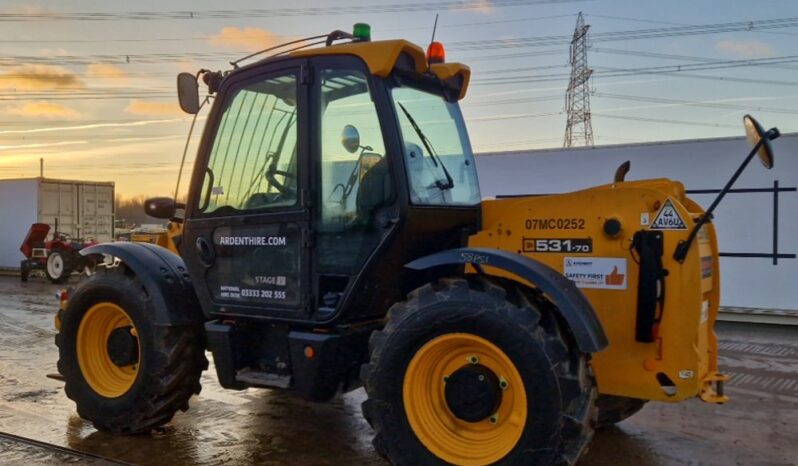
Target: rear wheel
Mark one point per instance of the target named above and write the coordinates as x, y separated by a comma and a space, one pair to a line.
614, 409
471, 373
124, 373
24, 271
58, 266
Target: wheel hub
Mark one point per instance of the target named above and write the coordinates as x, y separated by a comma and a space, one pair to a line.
123, 347
473, 393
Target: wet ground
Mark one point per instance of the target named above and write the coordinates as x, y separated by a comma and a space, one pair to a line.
758, 427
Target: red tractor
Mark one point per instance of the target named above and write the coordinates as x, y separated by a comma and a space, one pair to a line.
58, 257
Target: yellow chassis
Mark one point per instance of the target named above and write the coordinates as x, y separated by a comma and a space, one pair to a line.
685, 350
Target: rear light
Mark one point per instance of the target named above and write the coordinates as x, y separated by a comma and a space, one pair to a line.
436, 53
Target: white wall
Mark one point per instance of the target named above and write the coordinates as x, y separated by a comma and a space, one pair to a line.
744, 220
18, 210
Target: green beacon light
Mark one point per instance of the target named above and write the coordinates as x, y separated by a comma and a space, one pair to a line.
362, 32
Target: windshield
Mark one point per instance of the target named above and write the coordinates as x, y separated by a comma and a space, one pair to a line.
438, 157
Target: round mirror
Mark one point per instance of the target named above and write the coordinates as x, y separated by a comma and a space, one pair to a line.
754, 132
350, 139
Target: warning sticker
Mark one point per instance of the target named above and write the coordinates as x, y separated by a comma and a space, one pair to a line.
668, 219
607, 273
704, 312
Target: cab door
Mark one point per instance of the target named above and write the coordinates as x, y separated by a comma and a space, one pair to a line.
355, 195
246, 233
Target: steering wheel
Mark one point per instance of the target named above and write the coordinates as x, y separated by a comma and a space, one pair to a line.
281, 187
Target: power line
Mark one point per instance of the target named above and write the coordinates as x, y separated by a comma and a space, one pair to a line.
661, 120
483, 44
200, 38
676, 122
674, 70
681, 70
721, 105
669, 56
455, 5
635, 34
650, 21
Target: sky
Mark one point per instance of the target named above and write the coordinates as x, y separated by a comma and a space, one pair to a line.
89, 86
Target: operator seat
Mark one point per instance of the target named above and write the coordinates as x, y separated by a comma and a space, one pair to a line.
376, 189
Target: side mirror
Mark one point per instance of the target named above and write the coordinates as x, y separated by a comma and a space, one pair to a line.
188, 93
160, 207
754, 132
760, 140
350, 139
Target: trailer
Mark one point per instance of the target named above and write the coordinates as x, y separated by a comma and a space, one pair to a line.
77, 210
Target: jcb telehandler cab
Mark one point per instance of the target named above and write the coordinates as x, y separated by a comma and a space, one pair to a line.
334, 235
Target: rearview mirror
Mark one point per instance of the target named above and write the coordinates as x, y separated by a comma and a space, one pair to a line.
160, 207
188, 93
350, 139
754, 133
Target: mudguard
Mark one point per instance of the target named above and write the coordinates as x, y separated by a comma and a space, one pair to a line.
572, 305
164, 276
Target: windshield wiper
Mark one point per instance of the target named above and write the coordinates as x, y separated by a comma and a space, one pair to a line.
435, 158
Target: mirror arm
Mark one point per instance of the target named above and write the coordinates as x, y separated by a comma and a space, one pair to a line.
684, 246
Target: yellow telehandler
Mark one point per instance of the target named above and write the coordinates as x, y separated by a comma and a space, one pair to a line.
334, 236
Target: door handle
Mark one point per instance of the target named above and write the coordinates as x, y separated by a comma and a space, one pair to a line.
205, 251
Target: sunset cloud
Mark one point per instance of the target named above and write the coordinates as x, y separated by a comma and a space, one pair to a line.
26, 10
482, 6
745, 49
54, 52
249, 39
41, 109
99, 70
478, 6
146, 107
39, 77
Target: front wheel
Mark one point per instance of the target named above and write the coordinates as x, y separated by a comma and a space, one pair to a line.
125, 374
468, 372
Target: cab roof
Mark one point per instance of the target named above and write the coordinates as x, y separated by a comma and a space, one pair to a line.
382, 56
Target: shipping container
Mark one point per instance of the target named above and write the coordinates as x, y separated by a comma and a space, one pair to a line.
80, 209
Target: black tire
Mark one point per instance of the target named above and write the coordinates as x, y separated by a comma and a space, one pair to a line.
58, 275
171, 358
614, 409
558, 383
24, 271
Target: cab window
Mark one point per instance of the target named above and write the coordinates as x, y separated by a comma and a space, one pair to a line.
253, 162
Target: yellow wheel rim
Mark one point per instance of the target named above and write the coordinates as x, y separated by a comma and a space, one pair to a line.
446, 436
103, 376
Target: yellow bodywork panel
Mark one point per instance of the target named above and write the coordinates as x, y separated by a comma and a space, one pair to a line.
381, 57
165, 240
567, 232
